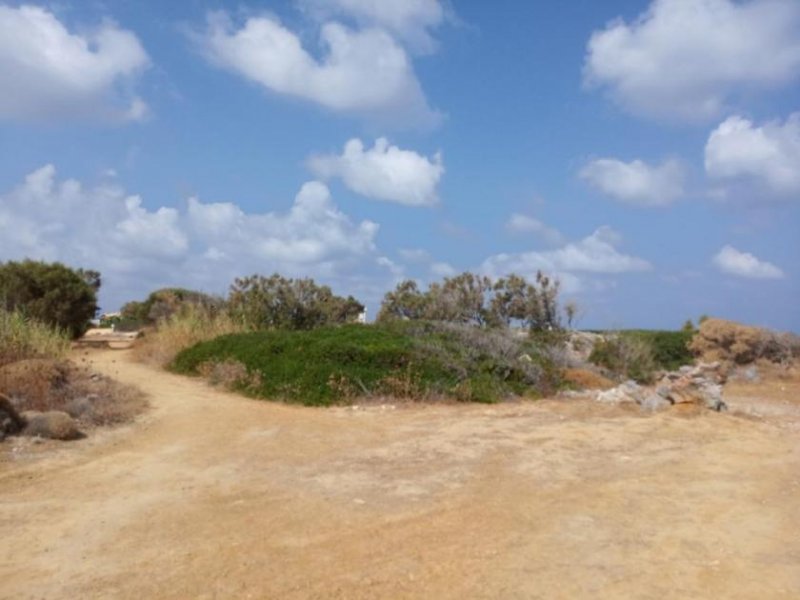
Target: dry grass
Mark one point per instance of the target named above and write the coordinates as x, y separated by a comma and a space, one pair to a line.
229, 374
92, 399
22, 338
720, 340
181, 330
585, 379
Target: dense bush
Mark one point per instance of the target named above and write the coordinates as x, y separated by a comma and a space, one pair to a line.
51, 293
164, 303
279, 303
638, 354
414, 360
477, 300
22, 338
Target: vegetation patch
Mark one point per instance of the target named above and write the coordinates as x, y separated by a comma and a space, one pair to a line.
638, 354
418, 360
22, 338
92, 399
740, 344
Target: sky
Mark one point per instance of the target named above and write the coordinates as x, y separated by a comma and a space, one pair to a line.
644, 153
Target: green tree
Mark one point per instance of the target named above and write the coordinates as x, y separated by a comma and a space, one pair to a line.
474, 299
276, 302
51, 293
162, 304
406, 302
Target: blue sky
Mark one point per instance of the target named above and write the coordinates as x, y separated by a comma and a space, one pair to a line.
645, 153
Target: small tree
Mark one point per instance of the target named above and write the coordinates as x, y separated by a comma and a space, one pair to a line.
571, 311
51, 293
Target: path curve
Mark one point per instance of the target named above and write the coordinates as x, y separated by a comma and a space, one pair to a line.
210, 495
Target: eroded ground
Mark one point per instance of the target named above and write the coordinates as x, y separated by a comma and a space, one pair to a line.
215, 496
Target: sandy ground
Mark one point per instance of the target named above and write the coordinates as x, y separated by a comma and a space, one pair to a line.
214, 496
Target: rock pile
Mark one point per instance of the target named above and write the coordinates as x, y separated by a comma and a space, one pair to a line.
700, 385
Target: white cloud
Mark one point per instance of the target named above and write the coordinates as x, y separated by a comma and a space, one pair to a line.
414, 255
364, 72
206, 245
383, 172
687, 58
595, 254
443, 269
636, 182
520, 223
743, 264
408, 20
47, 72
769, 154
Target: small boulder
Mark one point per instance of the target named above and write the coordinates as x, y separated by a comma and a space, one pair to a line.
630, 391
11, 421
654, 403
53, 424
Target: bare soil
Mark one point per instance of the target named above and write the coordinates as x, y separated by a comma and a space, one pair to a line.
210, 495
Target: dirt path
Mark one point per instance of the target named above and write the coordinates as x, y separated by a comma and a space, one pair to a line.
215, 496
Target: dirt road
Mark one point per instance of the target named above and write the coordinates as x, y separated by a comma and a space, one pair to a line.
215, 496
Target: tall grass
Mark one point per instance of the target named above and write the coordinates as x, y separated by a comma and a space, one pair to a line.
187, 327
22, 338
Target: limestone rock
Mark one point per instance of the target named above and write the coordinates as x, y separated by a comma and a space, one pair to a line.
630, 391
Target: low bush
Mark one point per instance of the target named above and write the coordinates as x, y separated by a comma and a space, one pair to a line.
414, 360
22, 337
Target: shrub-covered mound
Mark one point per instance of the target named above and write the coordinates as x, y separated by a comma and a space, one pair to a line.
417, 360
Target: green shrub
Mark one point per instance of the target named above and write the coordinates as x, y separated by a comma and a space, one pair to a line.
638, 354
50, 293
416, 360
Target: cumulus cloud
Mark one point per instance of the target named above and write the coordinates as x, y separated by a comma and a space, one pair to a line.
408, 20
594, 254
362, 71
519, 223
383, 172
636, 182
204, 245
48, 72
686, 59
743, 264
767, 154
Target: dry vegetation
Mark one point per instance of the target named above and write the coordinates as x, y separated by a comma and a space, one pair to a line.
92, 399
22, 338
188, 326
726, 341
35, 376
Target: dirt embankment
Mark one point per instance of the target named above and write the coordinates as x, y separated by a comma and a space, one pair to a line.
215, 496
